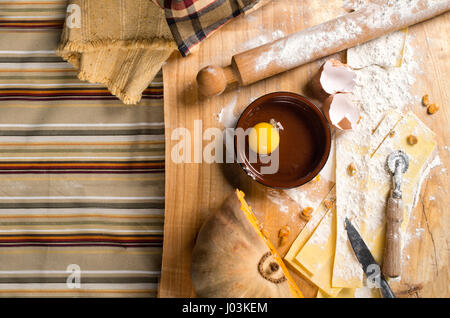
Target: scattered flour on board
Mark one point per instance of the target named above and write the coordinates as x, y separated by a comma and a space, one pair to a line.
278, 199
227, 116
385, 51
434, 163
303, 198
377, 91
380, 89
264, 37
408, 237
419, 231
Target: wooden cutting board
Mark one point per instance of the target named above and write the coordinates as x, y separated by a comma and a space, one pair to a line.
194, 190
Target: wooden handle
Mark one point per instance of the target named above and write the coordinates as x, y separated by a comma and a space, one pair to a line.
213, 80
393, 245
372, 21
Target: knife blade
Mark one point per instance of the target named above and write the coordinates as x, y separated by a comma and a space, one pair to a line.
367, 261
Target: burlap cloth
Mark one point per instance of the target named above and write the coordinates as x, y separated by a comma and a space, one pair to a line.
123, 43
119, 43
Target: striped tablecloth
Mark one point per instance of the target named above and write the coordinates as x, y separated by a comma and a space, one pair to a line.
81, 174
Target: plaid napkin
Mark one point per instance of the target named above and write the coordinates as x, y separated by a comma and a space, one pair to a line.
192, 21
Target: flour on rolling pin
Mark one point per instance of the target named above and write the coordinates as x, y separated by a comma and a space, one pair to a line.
303, 45
264, 37
293, 50
370, 22
307, 45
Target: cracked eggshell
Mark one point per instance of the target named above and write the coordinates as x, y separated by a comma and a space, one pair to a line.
333, 77
341, 112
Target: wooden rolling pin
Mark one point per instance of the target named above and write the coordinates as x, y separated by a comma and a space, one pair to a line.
370, 22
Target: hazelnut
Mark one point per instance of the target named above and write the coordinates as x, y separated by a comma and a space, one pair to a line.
351, 169
307, 211
412, 140
284, 231
425, 100
432, 108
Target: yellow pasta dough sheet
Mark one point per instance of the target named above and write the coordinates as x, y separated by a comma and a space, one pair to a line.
319, 223
393, 133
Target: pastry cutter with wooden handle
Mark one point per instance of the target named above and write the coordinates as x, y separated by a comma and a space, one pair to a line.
397, 163
368, 263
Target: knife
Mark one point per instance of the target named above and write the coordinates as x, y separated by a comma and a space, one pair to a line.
366, 259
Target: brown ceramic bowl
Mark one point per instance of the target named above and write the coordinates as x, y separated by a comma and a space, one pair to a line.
305, 139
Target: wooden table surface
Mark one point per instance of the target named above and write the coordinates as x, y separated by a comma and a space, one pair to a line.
195, 189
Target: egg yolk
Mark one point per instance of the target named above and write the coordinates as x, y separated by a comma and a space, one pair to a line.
264, 138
